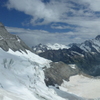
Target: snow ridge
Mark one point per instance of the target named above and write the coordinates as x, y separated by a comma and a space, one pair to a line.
57, 46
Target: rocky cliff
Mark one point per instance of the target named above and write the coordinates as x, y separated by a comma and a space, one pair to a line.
10, 41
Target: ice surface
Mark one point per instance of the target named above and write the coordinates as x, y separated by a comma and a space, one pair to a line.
83, 86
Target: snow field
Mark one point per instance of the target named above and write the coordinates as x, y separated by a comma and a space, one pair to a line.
22, 77
83, 86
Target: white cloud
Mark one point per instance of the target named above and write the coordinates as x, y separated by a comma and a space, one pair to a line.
93, 4
44, 13
34, 37
80, 13
59, 26
38, 10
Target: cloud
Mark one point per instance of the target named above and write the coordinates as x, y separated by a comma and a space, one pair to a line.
83, 14
34, 37
93, 4
53, 11
74, 12
61, 26
42, 13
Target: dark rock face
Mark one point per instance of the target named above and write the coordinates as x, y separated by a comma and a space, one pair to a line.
58, 72
40, 48
11, 41
67, 56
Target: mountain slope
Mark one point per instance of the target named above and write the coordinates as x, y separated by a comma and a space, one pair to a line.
22, 76
22, 72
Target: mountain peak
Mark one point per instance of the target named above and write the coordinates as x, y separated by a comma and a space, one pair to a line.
97, 37
1, 24
3, 31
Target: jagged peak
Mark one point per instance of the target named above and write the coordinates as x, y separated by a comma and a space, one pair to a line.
97, 37
1, 24
40, 44
88, 42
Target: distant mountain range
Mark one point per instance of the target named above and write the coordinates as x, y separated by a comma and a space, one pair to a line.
85, 55
88, 46
42, 48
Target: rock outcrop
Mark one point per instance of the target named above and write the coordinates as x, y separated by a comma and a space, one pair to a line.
10, 41
58, 72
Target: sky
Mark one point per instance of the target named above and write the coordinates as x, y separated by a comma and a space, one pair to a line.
51, 21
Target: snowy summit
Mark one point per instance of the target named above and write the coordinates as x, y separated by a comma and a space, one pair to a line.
42, 48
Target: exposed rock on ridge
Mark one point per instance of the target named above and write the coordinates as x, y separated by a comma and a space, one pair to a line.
58, 72
11, 41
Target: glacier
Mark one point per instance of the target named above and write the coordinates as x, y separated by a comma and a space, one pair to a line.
22, 77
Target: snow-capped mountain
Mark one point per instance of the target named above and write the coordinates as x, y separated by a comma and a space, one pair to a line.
22, 72
91, 45
42, 48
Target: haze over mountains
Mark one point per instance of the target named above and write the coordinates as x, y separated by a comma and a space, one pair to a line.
26, 76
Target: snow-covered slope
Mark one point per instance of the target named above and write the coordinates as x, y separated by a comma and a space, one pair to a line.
22, 77
42, 48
